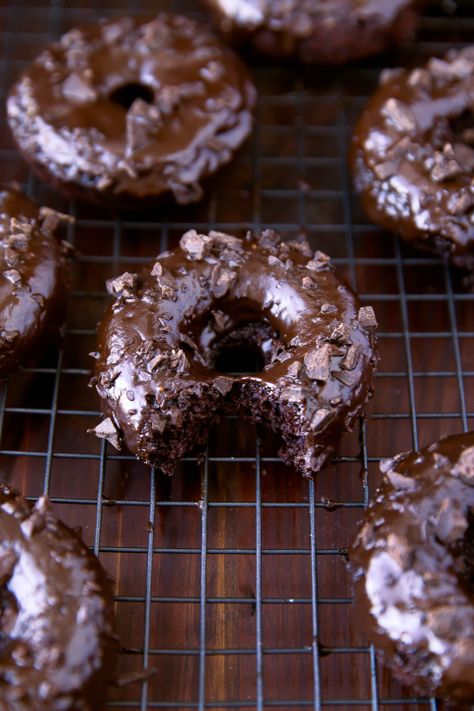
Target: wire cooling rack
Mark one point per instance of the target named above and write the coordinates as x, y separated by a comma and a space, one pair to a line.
230, 578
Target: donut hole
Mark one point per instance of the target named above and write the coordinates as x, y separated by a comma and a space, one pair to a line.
240, 359
126, 94
246, 349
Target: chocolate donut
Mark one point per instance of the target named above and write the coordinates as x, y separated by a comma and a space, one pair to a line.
331, 31
413, 564
33, 278
159, 346
128, 111
413, 156
58, 649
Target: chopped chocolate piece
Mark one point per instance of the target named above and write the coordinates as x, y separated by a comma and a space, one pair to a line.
367, 318
107, 430
399, 115
351, 358
12, 275
157, 269
294, 369
195, 245
77, 90
318, 363
126, 284
221, 281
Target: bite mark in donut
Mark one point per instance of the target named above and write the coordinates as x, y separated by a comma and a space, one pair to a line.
159, 345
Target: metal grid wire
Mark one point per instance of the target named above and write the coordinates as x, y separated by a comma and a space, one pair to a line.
231, 587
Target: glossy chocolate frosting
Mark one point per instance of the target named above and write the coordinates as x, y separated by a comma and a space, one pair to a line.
413, 155
33, 278
333, 31
159, 345
57, 647
413, 566
128, 110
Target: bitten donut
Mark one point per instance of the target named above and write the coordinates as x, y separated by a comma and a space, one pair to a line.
128, 111
413, 563
413, 156
33, 278
159, 345
331, 31
56, 616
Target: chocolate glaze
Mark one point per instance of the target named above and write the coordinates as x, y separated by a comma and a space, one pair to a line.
33, 278
332, 31
129, 110
57, 646
412, 564
158, 345
413, 155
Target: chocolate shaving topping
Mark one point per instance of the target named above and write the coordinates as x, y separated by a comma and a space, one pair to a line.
320, 262
350, 360
459, 203
107, 430
269, 240
317, 363
12, 275
302, 247
195, 245
340, 334
157, 269
366, 318
294, 369
445, 167
400, 116
125, 284
221, 281
76, 89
